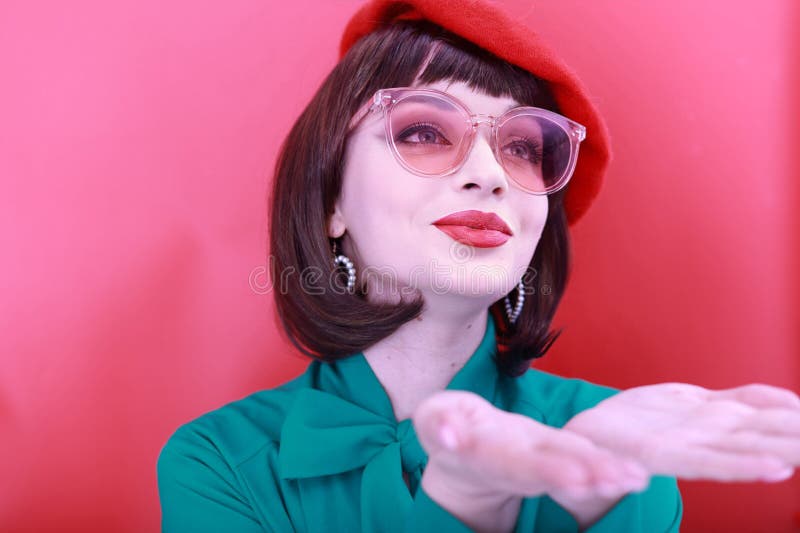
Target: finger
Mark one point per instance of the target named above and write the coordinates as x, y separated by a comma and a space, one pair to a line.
752, 442
759, 395
783, 422
558, 458
698, 462
726, 409
553, 470
614, 476
521, 461
607, 473
536, 459
575, 477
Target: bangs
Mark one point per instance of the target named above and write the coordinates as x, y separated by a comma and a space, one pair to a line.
419, 52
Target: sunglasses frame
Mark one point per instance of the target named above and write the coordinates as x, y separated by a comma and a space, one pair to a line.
385, 99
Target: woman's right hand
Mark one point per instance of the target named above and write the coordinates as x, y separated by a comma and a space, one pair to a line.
501, 457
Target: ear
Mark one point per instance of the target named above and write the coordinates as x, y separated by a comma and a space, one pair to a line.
336, 225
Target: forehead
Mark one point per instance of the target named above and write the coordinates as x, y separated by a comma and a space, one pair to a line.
476, 101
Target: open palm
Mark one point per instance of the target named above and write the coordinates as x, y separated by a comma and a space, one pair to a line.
745, 433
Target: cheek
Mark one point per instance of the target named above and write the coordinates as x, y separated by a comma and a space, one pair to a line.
377, 200
534, 217
373, 191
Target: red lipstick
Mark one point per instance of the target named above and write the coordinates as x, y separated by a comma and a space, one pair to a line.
475, 228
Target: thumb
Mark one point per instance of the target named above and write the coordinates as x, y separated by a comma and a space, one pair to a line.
442, 421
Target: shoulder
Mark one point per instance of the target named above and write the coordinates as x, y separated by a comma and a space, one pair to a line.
555, 399
208, 467
237, 430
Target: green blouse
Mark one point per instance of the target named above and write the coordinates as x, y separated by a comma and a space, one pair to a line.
324, 451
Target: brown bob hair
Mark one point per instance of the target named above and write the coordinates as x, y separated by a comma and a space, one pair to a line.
319, 316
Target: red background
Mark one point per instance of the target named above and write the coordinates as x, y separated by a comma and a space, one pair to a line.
136, 146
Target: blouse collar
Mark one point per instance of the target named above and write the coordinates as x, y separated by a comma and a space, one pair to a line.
353, 379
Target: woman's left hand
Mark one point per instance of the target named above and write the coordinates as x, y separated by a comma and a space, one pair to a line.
746, 433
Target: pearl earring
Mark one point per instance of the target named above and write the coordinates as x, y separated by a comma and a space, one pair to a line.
512, 316
344, 261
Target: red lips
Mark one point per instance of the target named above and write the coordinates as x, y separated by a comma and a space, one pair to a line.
475, 228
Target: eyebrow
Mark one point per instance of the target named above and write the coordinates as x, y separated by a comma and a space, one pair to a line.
509, 108
437, 103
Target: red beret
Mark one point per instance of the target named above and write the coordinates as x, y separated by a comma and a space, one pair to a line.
484, 24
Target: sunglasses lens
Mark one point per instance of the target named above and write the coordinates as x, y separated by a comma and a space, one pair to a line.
429, 133
535, 151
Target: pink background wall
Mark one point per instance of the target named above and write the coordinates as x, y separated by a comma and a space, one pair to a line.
136, 144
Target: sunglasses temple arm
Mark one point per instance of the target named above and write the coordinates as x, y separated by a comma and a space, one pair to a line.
365, 110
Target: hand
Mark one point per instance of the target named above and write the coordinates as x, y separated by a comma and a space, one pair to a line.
501, 457
745, 433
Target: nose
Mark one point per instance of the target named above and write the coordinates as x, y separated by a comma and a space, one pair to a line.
482, 170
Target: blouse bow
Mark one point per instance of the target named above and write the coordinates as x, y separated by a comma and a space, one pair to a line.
324, 434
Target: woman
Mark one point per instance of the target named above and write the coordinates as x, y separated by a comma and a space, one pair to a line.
419, 247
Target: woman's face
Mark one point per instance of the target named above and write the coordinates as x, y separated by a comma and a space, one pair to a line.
387, 215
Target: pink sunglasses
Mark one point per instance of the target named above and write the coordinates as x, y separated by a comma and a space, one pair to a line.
430, 133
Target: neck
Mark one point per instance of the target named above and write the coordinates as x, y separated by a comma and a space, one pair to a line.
424, 354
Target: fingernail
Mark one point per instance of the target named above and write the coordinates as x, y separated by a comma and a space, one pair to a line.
448, 437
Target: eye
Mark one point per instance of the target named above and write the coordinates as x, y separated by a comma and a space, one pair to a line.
525, 148
426, 133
